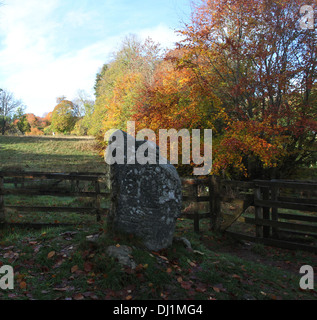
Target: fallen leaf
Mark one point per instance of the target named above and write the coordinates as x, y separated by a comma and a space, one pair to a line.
51, 254
201, 287
236, 277
186, 285
169, 270
191, 263
8, 248
23, 285
78, 296
58, 264
163, 295
129, 297
201, 253
88, 266
74, 268
90, 295
219, 287
179, 279
164, 258
11, 255
138, 267
61, 289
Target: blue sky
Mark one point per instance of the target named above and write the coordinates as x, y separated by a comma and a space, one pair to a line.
50, 48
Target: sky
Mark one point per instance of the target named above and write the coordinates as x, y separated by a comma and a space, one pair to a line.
54, 48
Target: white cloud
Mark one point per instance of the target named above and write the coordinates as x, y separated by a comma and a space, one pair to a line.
161, 34
49, 77
37, 61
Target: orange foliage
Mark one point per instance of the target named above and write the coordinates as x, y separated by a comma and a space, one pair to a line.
176, 100
32, 119
34, 132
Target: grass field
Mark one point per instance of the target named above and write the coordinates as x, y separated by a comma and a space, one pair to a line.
50, 154
64, 263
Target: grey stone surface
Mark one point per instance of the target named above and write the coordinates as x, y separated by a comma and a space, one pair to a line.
145, 198
183, 240
122, 253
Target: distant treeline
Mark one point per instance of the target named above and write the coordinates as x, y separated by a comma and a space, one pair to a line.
246, 69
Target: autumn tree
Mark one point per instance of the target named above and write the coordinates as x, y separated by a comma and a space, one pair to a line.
47, 119
262, 66
63, 117
32, 120
84, 109
99, 77
119, 84
174, 99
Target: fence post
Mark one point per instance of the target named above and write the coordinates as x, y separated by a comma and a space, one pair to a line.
97, 202
214, 203
266, 213
258, 212
274, 197
2, 210
196, 214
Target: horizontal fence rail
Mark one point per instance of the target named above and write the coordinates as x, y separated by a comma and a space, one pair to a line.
268, 197
22, 182
279, 206
215, 194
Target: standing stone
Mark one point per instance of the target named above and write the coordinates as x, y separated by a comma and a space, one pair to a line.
145, 198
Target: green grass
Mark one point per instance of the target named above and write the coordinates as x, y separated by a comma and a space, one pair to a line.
63, 262
80, 269
49, 154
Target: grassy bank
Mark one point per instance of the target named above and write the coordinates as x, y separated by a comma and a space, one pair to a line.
71, 262
50, 154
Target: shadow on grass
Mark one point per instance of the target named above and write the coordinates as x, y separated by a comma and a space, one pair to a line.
28, 161
37, 139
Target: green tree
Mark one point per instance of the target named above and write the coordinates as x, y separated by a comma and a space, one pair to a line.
8, 107
22, 121
63, 117
119, 84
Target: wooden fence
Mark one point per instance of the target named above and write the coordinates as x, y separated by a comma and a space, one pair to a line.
272, 227
267, 198
214, 191
50, 185
292, 227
